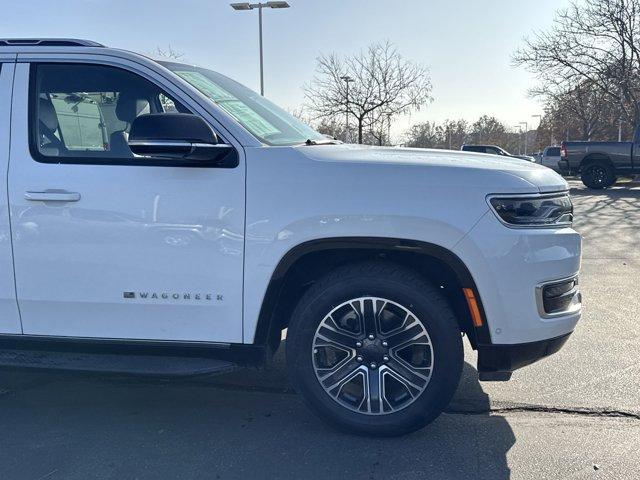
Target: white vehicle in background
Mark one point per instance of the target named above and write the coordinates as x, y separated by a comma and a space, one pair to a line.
550, 158
161, 218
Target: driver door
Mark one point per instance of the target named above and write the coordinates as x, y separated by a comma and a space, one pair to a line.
106, 244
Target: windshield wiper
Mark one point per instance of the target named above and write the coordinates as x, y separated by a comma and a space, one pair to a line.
327, 141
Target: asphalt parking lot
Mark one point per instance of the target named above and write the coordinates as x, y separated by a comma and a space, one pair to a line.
575, 415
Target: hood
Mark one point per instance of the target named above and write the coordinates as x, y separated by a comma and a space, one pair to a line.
492, 171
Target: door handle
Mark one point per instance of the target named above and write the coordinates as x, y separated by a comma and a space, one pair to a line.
52, 196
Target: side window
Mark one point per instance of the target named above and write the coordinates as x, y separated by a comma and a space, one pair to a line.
475, 148
82, 111
553, 152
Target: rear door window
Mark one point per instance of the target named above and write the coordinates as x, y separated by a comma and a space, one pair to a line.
553, 152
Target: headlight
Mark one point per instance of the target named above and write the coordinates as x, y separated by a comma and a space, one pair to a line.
534, 211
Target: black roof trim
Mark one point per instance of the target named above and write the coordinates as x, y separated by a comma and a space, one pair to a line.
47, 42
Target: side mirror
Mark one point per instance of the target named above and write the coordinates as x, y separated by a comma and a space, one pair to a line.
176, 136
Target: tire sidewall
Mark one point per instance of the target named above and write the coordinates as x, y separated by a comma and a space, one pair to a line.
440, 325
587, 176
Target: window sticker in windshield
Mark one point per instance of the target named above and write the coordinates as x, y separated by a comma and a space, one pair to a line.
241, 112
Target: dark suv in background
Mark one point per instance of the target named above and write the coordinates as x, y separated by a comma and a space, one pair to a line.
493, 150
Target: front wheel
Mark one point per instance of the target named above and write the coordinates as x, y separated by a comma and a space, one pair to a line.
374, 349
598, 175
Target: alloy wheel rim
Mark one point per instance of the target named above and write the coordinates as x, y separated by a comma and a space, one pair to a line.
372, 356
598, 174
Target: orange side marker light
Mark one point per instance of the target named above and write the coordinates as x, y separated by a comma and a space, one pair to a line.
472, 303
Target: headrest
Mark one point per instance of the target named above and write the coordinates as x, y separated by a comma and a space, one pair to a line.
47, 114
130, 105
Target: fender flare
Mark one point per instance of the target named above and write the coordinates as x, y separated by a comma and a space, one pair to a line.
596, 157
266, 321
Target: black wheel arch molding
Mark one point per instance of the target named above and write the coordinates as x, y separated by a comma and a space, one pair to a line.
272, 319
596, 157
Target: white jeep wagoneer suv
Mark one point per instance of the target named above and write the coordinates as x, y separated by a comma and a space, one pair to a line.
160, 218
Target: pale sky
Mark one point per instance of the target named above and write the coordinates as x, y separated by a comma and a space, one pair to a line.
466, 44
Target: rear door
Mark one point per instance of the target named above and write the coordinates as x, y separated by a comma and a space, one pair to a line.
108, 245
9, 317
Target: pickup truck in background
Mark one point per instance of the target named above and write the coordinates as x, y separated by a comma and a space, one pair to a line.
600, 163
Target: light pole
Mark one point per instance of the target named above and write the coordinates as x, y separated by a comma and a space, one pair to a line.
519, 127
347, 79
539, 117
619, 119
526, 130
260, 6
389, 114
620, 129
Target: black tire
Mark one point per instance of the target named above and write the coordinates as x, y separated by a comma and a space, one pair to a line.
411, 291
598, 175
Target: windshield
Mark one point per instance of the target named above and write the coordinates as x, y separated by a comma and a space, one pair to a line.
267, 122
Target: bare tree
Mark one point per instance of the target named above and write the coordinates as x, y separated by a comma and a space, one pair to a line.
168, 53
452, 134
584, 109
488, 130
380, 127
384, 85
423, 135
331, 127
594, 43
582, 113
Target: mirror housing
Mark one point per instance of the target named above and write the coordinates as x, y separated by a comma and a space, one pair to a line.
177, 136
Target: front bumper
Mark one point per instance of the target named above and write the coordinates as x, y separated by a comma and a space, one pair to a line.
508, 265
497, 362
527, 282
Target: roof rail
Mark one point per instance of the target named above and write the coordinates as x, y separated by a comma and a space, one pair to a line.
47, 42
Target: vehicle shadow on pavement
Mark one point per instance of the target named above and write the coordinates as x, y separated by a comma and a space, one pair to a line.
246, 425
622, 189
604, 211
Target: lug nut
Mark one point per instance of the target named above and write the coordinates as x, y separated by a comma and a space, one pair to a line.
385, 344
315, 350
373, 365
371, 337
385, 358
358, 344
359, 358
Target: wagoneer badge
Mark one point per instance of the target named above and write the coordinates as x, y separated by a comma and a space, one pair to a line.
206, 297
